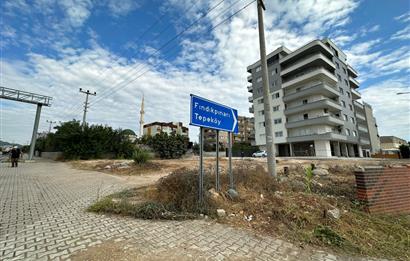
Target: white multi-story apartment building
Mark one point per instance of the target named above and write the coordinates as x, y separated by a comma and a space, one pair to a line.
314, 101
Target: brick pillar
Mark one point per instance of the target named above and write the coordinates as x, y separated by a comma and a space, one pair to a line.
384, 190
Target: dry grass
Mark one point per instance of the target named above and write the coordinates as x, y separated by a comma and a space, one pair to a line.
278, 208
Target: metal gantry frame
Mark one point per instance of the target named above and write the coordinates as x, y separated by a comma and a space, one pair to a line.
32, 98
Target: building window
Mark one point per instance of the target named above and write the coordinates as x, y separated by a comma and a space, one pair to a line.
339, 77
344, 104
278, 121
276, 95
351, 107
344, 70
348, 94
352, 119
275, 108
347, 83
355, 133
276, 70
347, 132
341, 90
325, 110
279, 134
304, 101
345, 117
305, 116
337, 65
258, 69
259, 79
262, 112
260, 101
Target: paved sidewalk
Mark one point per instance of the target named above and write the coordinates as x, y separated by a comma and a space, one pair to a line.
42, 217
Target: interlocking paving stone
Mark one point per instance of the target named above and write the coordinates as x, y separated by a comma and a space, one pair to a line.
43, 217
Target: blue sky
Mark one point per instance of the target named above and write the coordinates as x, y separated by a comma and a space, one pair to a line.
112, 47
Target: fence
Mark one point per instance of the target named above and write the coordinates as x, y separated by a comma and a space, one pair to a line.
384, 189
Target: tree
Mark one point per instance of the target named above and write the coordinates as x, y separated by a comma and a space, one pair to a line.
92, 141
167, 146
404, 151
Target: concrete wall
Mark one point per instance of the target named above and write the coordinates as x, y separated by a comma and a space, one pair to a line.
52, 155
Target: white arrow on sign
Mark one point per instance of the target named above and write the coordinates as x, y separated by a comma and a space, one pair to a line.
234, 120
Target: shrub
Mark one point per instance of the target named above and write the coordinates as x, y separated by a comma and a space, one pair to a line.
141, 156
167, 146
404, 151
328, 236
308, 178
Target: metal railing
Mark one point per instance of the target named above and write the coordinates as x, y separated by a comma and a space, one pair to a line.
28, 97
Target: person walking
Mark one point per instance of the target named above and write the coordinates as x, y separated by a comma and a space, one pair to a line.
15, 156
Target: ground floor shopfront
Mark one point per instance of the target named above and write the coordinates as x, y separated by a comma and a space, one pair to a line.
319, 148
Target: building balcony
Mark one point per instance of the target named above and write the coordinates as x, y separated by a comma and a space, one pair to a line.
358, 105
250, 98
251, 109
321, 88
323, 136
250, 78
250, 88
311, 48
317, 58
353, 82
355, 94
364, 141
323, 120
320, 104
319, 73
360, 117
352, 72
362, 128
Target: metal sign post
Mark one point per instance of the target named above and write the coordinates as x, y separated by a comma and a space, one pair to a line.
217, 162
209, 114
231, 186
201, 164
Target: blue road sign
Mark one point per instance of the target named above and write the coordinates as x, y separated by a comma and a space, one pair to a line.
209, 114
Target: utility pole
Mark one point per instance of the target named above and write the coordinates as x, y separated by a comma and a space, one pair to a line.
86, 103
51, 123
267, 99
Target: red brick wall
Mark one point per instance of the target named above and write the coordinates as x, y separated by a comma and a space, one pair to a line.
384, 189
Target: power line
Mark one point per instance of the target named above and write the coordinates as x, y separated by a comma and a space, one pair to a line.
124, 83
71, 108
105, 94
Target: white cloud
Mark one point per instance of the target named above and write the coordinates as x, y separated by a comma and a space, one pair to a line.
403, 18
212, 65
392, 111
403, 34
122, 7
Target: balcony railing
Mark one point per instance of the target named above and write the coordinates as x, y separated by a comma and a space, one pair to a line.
362, 129
250, 78
319, 104
250, 88
321, 120
355, 94
360, 116
250, 98
305, 61
308, 74
353, 82
352, 71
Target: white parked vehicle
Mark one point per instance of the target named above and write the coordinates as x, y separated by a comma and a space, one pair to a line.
259, 154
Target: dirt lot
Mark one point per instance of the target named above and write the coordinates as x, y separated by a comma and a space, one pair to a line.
281, 207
